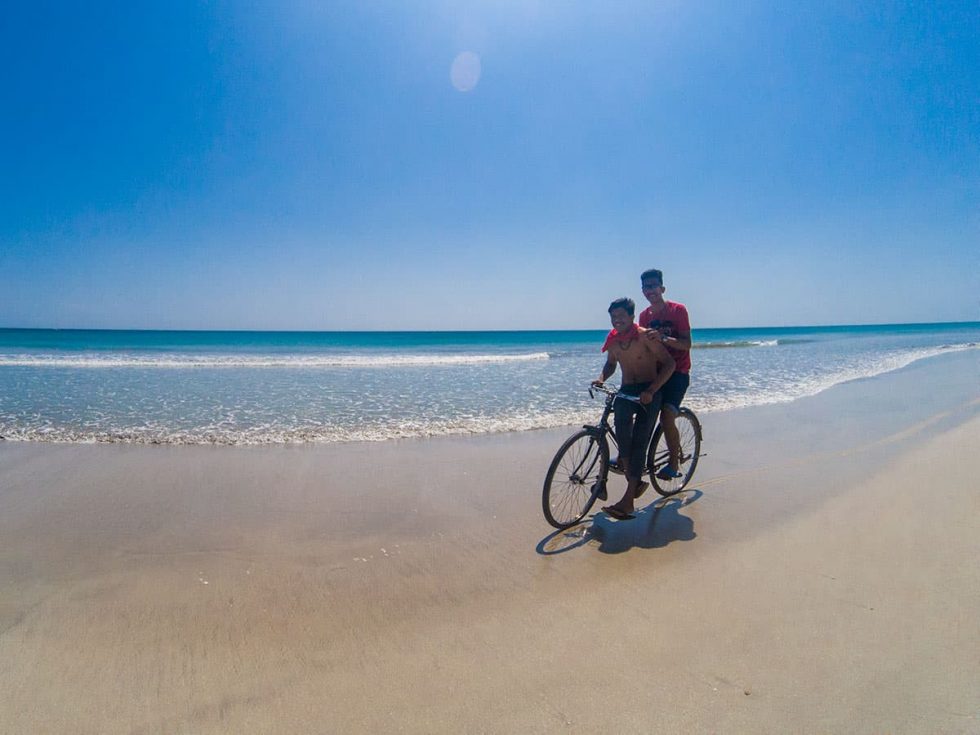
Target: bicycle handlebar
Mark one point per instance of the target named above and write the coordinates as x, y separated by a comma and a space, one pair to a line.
613, 393
602, 389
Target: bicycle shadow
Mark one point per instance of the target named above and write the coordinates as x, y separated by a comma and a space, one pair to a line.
656, 525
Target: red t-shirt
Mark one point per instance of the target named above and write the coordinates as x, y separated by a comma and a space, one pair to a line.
673, 322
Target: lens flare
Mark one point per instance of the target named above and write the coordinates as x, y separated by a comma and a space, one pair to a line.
465, 71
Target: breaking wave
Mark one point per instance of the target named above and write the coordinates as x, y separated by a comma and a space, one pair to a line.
736, 343
261, 361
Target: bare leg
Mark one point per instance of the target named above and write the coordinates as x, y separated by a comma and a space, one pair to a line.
673, 437
634, 487
626, 502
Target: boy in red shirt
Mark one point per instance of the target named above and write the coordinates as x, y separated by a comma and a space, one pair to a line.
668, 322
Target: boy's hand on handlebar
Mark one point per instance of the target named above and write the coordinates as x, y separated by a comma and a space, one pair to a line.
598, 383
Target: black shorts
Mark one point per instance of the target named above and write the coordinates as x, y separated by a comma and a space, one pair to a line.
673, 391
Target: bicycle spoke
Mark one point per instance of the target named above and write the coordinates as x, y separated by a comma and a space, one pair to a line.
689, 434
573, 475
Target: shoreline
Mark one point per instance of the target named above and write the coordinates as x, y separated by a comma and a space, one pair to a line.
961, 353
817, 578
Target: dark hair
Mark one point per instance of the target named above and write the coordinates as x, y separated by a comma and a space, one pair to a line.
623, 303
652, 273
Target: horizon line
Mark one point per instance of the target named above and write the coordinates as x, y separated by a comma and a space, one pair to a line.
461, 331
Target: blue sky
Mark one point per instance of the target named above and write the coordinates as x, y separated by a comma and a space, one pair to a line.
302, 165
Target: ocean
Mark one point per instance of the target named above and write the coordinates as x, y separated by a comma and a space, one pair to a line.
230, 388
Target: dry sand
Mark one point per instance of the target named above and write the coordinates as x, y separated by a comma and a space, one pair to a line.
821, 577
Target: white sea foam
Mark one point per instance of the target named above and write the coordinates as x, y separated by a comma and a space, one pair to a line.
261, 361
736, 343
803, 388
269, 434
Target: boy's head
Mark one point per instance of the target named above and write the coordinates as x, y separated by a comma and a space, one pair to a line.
653, 276
621, 313
652, 283
624, 303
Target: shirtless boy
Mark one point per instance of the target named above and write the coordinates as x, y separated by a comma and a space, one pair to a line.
646, 366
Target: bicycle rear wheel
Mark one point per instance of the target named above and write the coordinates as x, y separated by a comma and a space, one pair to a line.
689, 429
574, 479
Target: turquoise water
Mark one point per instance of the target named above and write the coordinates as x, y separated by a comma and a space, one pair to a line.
274, 387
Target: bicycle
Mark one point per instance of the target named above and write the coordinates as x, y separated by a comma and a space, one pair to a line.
578, 472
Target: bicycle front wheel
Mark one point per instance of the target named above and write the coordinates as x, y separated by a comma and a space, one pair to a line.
689, 430
574, 479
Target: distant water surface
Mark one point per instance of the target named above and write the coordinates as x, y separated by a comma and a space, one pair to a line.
182, 387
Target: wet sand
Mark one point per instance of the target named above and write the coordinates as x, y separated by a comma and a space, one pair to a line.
821, 576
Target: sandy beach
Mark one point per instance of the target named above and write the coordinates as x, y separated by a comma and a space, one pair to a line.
821, 576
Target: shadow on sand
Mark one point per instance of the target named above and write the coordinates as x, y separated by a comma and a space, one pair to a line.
655, 526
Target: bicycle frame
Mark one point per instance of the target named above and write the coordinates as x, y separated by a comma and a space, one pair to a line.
602, 427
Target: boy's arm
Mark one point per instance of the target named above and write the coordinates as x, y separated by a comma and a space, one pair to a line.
607, 370
665, 368
682, 340
678, 343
